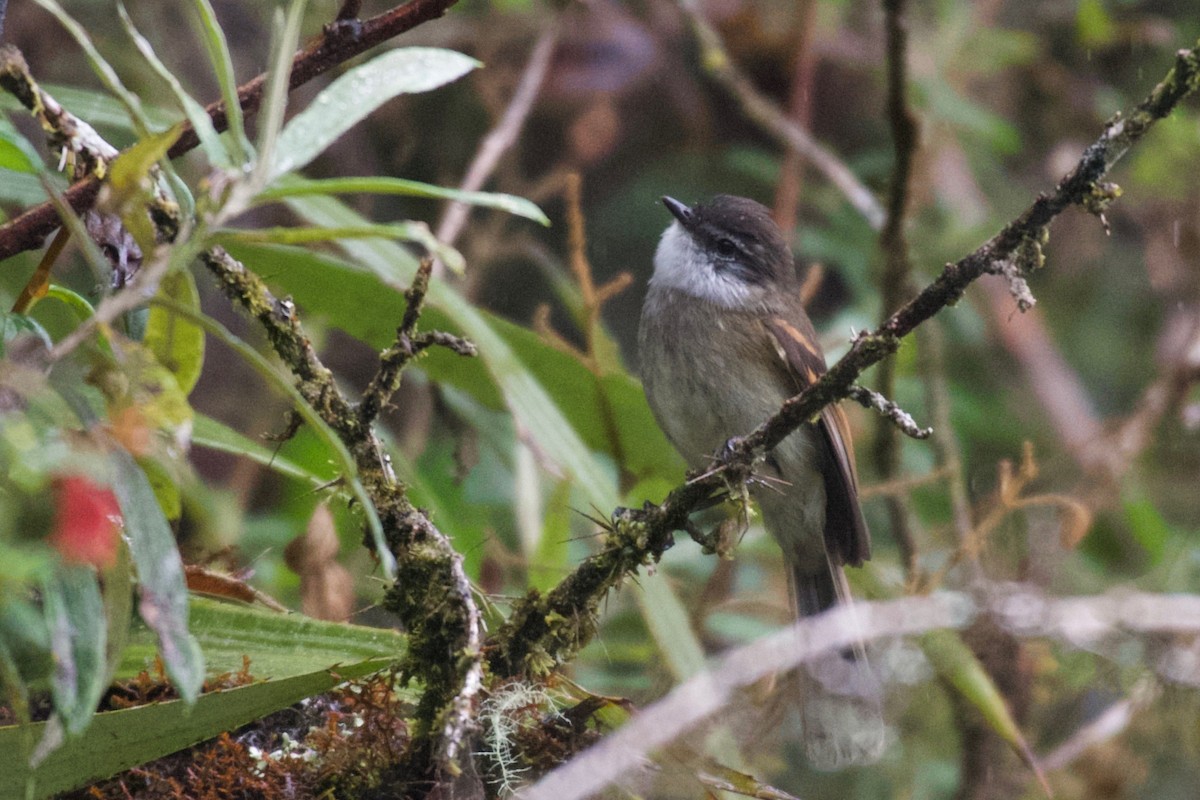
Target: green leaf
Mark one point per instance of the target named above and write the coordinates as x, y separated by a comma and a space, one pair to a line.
405, 231
24, 633
209, 138
1148, 527
360, 91
72, 299
278, 645
215, 435
75, 618
130, 178
285, 34
176, 343
130, 171
104, 71
24, 188
119, 740
97, 107
164, 602
217, 48
16, 153
298, 187
955, 663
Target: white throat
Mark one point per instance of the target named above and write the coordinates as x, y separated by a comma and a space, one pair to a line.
680, 264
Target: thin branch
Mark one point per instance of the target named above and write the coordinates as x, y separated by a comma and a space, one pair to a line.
336, 45
774, 120
785, 207
1108, 725
501, 138
896, 280
543, 630
408, 345
64, 129
889, 411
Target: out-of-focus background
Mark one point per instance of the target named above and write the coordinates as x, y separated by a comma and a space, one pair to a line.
1005, 94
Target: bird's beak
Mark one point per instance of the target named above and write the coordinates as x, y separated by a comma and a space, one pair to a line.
679, 211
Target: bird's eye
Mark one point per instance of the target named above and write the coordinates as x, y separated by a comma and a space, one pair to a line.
726, 248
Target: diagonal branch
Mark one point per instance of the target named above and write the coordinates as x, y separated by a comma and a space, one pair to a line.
337, 44
544, 630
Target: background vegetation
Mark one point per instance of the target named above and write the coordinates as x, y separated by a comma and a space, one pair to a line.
1065, 459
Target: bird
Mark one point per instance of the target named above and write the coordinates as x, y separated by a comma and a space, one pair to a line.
723, 341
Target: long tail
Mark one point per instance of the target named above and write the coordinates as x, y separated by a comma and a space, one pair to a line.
843, 700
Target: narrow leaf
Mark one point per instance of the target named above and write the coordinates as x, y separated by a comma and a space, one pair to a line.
957, 665
164, 602
278, 645
360, 91
209, 138
75, 617
118, 740
215, 435
404, 231
298, 187
104, 71
218, 55
176, 343
285, 35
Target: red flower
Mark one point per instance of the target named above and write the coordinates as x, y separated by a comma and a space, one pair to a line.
87, 523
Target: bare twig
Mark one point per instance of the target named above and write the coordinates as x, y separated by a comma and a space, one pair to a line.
890, 411
775, 121
501, 138
336, 45
408, 345
791, 173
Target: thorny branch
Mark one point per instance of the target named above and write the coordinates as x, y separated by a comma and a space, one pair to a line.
545, 630
338, 43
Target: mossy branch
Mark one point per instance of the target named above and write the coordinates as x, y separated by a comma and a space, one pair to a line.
432, 596
409, 344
